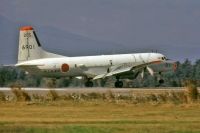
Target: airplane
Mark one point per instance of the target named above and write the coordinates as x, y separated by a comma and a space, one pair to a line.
36, 61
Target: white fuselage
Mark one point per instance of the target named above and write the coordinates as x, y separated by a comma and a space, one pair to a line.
86, 65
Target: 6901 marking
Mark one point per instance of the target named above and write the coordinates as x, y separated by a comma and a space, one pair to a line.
28, 47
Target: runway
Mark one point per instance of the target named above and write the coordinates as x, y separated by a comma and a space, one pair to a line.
121, 91
93, 88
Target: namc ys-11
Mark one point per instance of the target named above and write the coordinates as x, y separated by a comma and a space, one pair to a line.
34, 60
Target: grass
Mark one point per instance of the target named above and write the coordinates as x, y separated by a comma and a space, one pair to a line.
168, 112
191, 91
2, 96
20, 94
98, 117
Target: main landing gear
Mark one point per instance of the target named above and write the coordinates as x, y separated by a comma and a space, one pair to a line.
118, 83
89, 83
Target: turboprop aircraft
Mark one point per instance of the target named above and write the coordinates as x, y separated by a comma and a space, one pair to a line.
34, 60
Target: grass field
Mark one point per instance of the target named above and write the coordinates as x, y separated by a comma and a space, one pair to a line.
98, 116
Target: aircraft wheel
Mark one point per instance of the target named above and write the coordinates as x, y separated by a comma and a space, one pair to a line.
118, 84
161, 81
89, 84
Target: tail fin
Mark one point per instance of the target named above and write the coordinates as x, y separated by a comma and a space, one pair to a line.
30, 47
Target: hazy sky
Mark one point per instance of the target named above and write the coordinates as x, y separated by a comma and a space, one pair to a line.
169, 26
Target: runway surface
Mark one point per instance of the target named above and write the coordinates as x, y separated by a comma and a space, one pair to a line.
93, 89
122, 91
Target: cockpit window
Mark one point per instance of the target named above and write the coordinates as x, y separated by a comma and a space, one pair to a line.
163, 58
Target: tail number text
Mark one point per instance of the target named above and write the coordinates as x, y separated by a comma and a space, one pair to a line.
28, 47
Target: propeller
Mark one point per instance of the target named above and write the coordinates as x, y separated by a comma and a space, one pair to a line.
150, 70
142, 73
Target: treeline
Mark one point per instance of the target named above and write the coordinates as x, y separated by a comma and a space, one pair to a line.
186, 71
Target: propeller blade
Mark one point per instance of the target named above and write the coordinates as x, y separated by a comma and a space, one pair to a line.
142, 74
150, 70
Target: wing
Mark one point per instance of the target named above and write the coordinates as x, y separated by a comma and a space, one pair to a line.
10, 65
140, 68
125, 69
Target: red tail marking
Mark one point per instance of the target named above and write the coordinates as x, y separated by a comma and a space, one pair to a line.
26, 28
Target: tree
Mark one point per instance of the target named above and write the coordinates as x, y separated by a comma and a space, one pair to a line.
197, 71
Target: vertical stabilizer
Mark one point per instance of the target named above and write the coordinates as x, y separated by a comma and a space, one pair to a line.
30, 47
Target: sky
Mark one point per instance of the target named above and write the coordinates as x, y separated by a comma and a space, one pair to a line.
88, 27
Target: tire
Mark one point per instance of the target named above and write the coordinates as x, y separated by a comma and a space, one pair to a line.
89, 84
118, 84
161, 81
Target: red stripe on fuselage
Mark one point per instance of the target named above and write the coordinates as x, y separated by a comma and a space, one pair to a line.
156, 62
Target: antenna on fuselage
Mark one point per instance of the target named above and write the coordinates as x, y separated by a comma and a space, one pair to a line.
154, 51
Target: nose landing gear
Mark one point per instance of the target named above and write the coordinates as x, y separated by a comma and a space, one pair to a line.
161, 81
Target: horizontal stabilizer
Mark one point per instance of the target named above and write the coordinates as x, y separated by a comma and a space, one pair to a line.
10, 65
